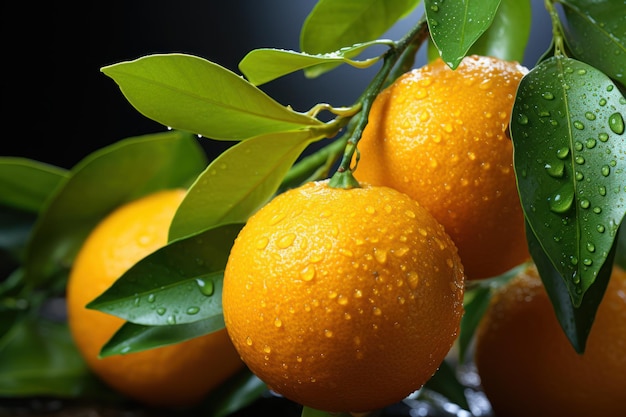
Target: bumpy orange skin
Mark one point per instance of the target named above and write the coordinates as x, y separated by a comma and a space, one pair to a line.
440, 136
175, 375
528, 367
343, 300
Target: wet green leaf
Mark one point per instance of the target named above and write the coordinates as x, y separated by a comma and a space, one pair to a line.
239, 181
333, 25
508, 34
195, 95
596, 34
456, 24
264, 65
570, 161
26, 184
15, 228
38, 358
99, 183
133, 337
179, 283
576, 321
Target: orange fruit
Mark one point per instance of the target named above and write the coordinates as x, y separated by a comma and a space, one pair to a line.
527, 365
174, 375
343, 300
440, 136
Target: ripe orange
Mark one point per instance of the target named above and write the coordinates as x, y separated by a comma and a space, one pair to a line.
343, 300
441, 137
175, 375
527, 365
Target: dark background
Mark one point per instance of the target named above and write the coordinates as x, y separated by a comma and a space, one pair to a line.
58, 107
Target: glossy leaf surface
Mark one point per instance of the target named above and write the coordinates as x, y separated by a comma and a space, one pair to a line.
195, 95
456, 24
507, 37
26, 184
264, 65
596, 34
101, 182
333, 25
238, 182
179, 283
570, 160
133, 337
576, 321
39, 358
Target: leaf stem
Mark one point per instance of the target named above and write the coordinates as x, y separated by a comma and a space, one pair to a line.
557, 28
343, 177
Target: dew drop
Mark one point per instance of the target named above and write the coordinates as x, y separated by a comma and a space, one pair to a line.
556, 169
578, 146
547, 95
584, 203
573, 260
206, 287
286, 240
590, 143
171, 319
249, 341
602, 102
562, 200
328, 333
193, 310
307, 273
590, 116
267, 349
587, 262
579, 160
380, 255
151, 298
616, 123
562, 153
377, 311
605, 170
522, 119
600, 228
579, 176
603, 137
602, 190
278, 322
262, 242
161, 310
591, 247
578, 125
597, 210
413, 279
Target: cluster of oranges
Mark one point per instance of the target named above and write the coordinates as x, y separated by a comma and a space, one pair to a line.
348, 300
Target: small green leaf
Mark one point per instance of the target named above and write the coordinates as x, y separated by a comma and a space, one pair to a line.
38, 358
508, 34
446, 383
26, 184
239, 181
576, 321
99, 183
195, 95
131, 338
333, 25
456, 24
179, 283
596, 34
570, 161
236, 393
264, 65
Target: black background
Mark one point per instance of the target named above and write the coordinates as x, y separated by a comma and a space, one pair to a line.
58, 107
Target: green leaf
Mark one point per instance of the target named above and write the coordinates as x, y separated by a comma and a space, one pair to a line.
570, 159
15, 228
456, 24
620, 252
596, 34
26, 184
576, 321
238, 182
333, 25
38, 358
179, 283
445, 382
476, 302
98, 184
132, 337
264, 65
508, 34
192, 94
236, 393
